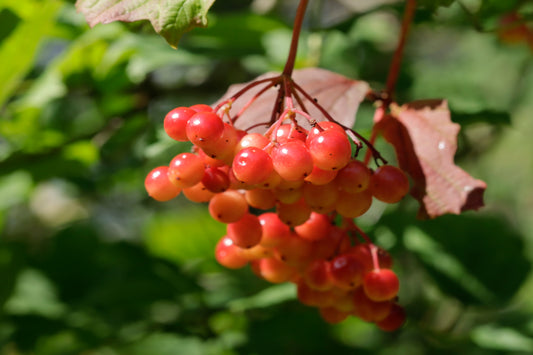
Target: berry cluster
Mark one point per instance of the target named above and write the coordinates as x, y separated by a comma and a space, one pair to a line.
289, 197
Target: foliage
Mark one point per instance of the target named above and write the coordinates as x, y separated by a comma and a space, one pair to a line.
89, 264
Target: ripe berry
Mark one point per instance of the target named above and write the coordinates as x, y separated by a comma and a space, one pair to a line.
331, 150
158, 185
394, 320
274, 230
317, 275
292, 160
215, 180
389, 184
287, 132
227, 254
262, 199
353, 205
246, 232
201, 108
346, 271
354, 177
252, 165
204, 128
317, 227
322, 127
381, 284
176, 121
273, 270
198, 193
332, 315
186, 170
228, 206
252, 140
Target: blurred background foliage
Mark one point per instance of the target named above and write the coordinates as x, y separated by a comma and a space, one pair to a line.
90, 265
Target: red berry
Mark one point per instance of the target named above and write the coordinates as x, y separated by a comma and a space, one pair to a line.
273, 270
252, 165
186, 170
381, 284
246, 232
201, 108
318, 226
228, 206
176, 121
331, 150
389, 184
158, 185
215, 180
204, 128
368, 310
227, 254
274, 230
354, 177
292, 160
347, 271
394, 320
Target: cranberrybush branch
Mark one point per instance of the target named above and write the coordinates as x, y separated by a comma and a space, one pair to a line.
386, 97
298, 21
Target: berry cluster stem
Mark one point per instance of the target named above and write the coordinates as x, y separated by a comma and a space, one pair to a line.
298, 21
394, 71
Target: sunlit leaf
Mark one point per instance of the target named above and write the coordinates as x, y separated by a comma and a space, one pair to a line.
169, 18
338, 95
425, 141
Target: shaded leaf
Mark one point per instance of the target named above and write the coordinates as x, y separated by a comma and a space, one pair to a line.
169, 18
487, 116
425, 141
272, 295
466, 254
338, 95
507, 339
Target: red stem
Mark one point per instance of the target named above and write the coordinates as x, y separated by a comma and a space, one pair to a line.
394, 69
252, 100
394, 72
244, 89
298, 20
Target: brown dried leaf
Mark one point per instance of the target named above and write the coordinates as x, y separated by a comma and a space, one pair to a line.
425, 140
339, 95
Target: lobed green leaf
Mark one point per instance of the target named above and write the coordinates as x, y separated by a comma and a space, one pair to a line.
169, 18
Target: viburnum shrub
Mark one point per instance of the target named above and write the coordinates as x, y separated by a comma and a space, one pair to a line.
278, 161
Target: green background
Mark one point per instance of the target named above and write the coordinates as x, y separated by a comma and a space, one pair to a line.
90, 265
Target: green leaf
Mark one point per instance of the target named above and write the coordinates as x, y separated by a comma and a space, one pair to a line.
27, 24
508, 339
169, 18
488, 116
466, 255
272, 295
434, 4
